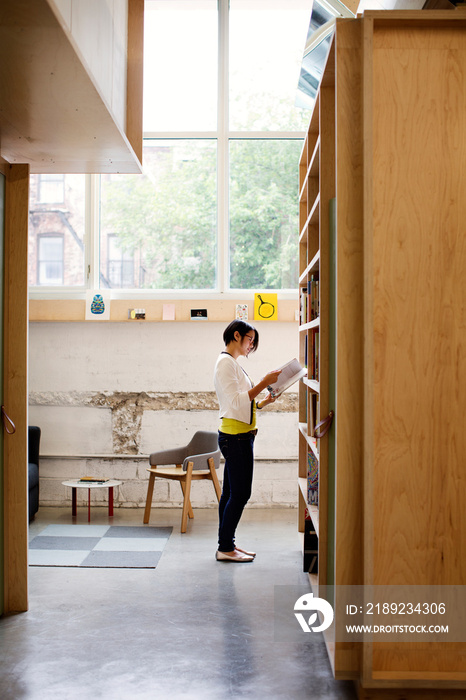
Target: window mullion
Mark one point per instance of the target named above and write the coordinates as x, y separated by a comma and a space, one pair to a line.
92, 232
222, 149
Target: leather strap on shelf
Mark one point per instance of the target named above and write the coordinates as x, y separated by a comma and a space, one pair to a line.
323, 427
8, 424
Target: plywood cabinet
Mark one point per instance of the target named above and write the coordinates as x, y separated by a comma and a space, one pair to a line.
382, 177
71, 85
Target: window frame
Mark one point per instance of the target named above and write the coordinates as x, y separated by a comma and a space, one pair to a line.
222, 136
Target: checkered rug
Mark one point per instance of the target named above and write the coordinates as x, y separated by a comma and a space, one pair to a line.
99, 546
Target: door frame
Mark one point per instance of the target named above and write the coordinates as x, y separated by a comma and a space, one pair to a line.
15, 388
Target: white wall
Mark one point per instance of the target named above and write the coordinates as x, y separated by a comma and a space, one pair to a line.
107, 394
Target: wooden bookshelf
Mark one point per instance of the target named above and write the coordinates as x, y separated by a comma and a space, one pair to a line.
380, 214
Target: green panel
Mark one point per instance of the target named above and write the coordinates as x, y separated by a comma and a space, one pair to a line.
2, 523
332, 347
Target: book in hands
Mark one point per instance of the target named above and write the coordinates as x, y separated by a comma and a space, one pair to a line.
290, 373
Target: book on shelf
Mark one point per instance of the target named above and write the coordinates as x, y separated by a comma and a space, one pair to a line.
312, 356
312, 406
312, 479
309, 300
291, 372
91, 480
303, 305
313, 301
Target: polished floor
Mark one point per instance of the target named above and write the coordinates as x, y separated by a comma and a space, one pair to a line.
191, 629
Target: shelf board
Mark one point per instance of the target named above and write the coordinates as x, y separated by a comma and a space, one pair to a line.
313, 171
312, 510
314, 583
302, 483
312, 217
313, 265
311, 441
314, 165
311, 325
312, 384
314, 513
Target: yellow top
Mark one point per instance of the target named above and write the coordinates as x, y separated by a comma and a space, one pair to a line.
231, 426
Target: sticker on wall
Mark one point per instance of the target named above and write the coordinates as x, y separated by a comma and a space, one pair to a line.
242, 312
97, 305
265, 307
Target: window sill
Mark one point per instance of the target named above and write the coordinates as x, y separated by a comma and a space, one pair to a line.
69, 310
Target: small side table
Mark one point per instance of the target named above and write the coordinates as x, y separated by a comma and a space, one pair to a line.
77, 484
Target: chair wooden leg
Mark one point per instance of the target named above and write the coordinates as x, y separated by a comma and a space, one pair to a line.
187, 493
190, 510
150, 491
213, 473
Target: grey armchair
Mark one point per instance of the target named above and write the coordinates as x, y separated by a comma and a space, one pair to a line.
198, 460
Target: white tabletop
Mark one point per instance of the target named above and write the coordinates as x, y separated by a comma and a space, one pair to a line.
76, 483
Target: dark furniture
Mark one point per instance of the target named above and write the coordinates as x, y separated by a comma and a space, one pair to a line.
33, 469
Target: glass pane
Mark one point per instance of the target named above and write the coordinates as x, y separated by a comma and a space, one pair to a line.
264, 214
164, 221
50, 273
51, 248
65, 222
120, 264
180, 65
267, 39
51, 189
50, 270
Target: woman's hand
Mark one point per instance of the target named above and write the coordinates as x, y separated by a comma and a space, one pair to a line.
272, 377
269, 378
265, 402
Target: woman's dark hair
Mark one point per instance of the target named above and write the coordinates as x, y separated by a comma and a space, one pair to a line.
243, 328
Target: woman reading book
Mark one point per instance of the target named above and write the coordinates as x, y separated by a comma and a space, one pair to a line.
237, 401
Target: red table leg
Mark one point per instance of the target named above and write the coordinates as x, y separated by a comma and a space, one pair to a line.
74, 509
110, 501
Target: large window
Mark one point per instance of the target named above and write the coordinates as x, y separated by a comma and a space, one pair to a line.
216, 208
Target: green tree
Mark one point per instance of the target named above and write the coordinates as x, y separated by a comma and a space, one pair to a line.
264, 214
168, 215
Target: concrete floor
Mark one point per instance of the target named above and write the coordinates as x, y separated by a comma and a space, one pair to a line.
191, 629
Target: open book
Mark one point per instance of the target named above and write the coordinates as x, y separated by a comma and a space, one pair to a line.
290, 373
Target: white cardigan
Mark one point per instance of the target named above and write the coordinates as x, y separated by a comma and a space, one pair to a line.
232, 385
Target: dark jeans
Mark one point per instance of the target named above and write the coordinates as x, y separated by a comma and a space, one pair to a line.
238, 451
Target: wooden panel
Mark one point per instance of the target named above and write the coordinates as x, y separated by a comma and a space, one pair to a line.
368, 391
15, 387
349, 360
418, 339
350, 372
135, 75
419, 310
327, 192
